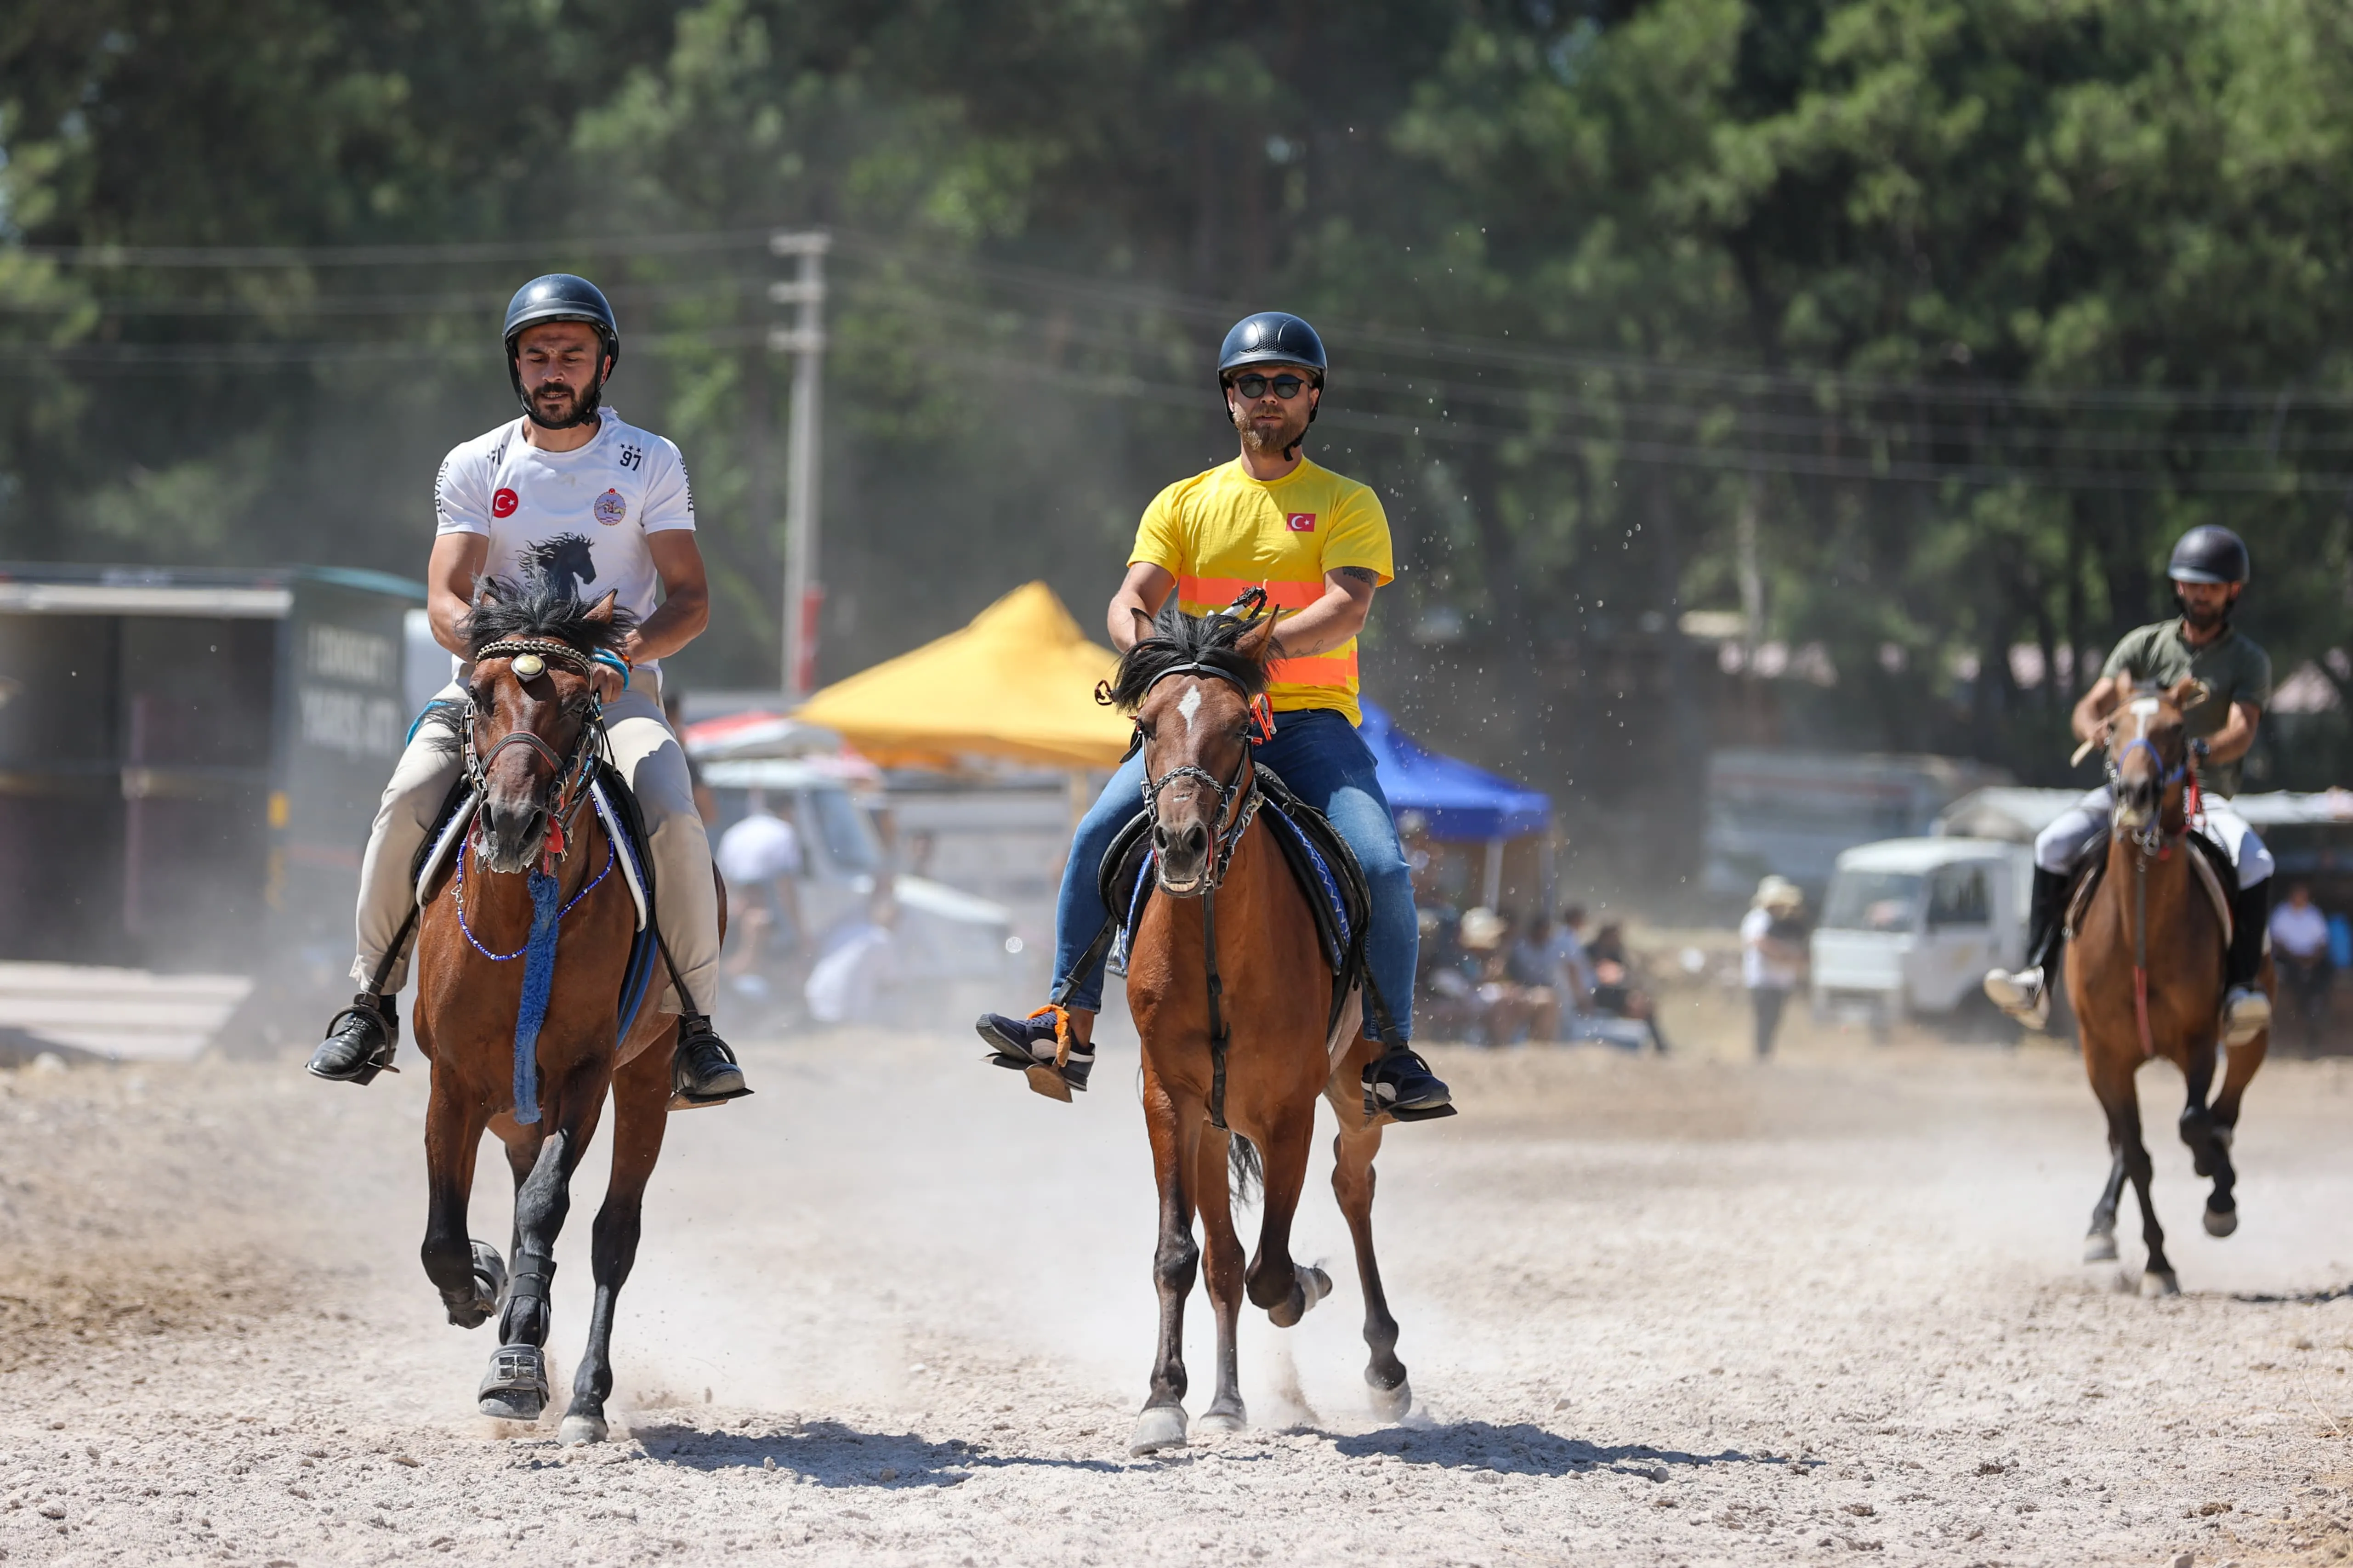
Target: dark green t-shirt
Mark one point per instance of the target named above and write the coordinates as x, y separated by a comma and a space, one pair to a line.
2234, 670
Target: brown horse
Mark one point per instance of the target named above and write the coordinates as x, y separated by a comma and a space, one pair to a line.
1223, 880
2145, 972
529, 739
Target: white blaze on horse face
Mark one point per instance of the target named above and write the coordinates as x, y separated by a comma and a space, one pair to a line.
2142, 710
1189, 705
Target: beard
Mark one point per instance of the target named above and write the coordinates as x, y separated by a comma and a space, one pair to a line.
2203, 618
1266, 437
557, 402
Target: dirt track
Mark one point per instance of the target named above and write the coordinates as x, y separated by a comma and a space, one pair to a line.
1687, 1311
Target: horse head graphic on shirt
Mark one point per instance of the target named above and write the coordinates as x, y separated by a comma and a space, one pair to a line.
566, 558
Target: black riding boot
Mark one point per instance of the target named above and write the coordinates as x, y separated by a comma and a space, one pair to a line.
2025, 994
2043, 915
702, 1070
2246, 1006
359, 1043
2251, 918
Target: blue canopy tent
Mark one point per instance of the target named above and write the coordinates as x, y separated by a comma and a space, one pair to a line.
1462, 803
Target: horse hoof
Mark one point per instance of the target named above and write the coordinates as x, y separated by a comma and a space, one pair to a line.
1223, 1423
2161, 1283
579, 1429
1391, 1403
489, 1289
1315, 1284
2100, 1246
2222, 1222
1160, 1427
515, 1388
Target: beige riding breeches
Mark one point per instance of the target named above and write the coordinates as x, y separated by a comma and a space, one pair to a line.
686, 900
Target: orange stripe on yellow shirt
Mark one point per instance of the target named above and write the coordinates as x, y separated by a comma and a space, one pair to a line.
1221, 533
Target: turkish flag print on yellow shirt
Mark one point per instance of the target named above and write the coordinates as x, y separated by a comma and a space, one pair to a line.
1222, 532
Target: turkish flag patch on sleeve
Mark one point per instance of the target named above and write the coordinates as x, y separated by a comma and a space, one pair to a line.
1299, 522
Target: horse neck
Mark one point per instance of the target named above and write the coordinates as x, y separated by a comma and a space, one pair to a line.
2167, 874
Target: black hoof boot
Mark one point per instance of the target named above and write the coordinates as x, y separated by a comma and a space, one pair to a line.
515, 1388
359, 1043
703, 1070
1401, 1085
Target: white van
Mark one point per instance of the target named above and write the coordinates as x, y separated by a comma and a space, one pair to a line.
1909, 926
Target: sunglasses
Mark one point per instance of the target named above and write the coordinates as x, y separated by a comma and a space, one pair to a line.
1253, 386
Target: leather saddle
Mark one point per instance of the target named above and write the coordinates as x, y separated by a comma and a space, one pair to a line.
2214, 872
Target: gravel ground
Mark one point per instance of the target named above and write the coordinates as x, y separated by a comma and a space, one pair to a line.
896, 1310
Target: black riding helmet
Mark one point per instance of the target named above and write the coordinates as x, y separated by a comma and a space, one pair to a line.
2210, 554
1270, 337
562, 297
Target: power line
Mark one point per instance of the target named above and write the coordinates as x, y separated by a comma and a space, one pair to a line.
265, 256
1063, 288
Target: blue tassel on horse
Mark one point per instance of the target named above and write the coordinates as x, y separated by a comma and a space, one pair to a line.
538, 980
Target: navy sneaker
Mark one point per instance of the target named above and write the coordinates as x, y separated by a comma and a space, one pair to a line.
1401, 1084
1027, 1043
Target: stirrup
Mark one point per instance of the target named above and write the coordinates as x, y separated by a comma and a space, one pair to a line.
2246, 1012
2027, 1001
696, 1038
376, 1011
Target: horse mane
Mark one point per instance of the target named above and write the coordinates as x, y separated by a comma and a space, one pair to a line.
540, 605
1180, 639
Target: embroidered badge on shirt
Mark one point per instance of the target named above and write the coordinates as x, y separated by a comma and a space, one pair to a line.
1300, 522
611, 508
503, 503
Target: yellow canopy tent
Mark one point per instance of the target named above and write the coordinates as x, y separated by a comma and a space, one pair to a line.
1017, 682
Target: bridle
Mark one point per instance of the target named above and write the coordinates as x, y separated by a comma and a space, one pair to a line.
1244, 784
2153, 842
571, 773
1228, 838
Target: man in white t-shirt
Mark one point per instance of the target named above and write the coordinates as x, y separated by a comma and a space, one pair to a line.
761, 857
2300, 945
1772, 954
576, 495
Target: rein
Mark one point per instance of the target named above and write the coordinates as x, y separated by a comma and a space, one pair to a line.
530, 656
1242, 799
2153, 842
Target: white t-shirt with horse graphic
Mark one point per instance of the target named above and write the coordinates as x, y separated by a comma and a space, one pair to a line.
583, 514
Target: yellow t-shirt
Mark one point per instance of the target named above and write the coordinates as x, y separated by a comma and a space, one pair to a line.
1222, 532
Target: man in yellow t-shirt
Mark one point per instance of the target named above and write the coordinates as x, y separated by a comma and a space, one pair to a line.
1318, 544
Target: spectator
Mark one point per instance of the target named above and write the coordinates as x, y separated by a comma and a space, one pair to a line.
1508, 1010
1772, 954
1573, 963
760, 858
1446, 998
2300, 947
1614, 990
861, 956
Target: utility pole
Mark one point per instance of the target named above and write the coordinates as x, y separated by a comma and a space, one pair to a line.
804, 341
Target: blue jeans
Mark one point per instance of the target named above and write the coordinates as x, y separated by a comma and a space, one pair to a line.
1320, 756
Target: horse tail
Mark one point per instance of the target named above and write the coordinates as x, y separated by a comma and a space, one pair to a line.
1247, 1169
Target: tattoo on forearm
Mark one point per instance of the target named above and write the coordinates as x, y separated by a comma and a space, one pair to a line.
1362, 575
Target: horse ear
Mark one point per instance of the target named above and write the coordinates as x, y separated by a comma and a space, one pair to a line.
486, 592
2187, 692
1257, 640
602, 610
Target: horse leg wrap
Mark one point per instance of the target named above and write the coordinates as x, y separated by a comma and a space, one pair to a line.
532, 1275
